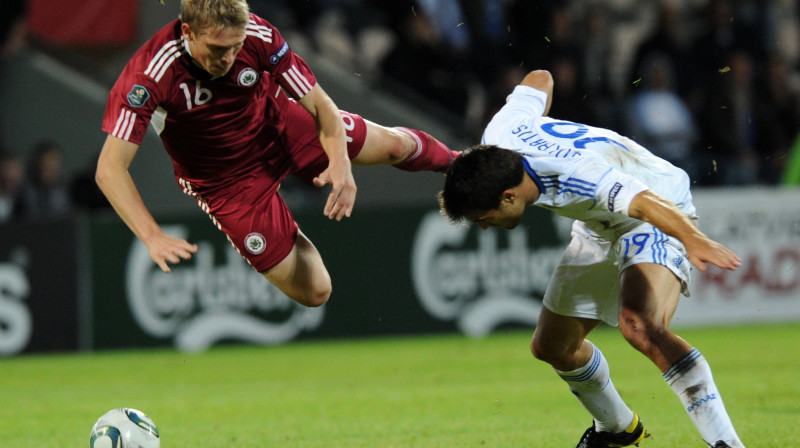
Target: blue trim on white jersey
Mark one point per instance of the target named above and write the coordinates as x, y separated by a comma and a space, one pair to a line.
534, 176
551, 181
579, 187
659, 252
572, 185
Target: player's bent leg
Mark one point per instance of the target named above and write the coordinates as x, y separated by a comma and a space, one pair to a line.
649, 296
302, 274
406, 149
561, 342
383, 146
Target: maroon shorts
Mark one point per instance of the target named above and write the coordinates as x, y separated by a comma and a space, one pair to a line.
250, 210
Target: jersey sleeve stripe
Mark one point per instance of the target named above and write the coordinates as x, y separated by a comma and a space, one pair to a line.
291, 84
124, 125
131, 123
300, 85
302, 77
121, 122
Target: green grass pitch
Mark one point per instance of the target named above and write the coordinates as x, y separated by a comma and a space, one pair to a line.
422, 392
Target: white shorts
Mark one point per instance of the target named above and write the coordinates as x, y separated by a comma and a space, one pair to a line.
586, 280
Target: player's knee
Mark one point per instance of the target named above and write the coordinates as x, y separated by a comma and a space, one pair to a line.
315, 297
632, 326
545, 352
641, 332
398, 146
317, 300
536, 350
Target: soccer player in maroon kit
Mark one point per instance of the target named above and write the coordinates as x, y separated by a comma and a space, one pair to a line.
238, 112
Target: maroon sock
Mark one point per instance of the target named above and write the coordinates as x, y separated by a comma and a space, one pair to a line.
430, 154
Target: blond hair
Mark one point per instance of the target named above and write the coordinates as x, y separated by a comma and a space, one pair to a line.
202, 15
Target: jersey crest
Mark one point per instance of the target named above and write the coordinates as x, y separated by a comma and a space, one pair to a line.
255, 243
138, 96
247, 77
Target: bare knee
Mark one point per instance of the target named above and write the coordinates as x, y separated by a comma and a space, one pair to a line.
385, 146
540, 351
555, 355
642, 333
399, 146
313, 299
313, 294
561, 340
302, 276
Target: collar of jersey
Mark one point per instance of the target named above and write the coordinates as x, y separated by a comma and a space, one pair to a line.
533, 175
189, 53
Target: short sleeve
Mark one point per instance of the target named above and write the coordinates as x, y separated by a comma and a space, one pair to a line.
130, 106
528, 100
524, 106
287, 68
586, 184
616, 191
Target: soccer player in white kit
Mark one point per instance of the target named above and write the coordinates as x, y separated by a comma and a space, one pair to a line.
633, 240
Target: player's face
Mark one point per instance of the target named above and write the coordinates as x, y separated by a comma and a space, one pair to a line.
214, 50
508, 215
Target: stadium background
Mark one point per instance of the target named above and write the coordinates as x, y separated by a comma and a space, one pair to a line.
79, 281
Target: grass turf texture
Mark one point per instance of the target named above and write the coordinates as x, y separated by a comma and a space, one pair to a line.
422, 392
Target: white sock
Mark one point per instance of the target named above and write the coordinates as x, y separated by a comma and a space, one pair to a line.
592, 385
690, 378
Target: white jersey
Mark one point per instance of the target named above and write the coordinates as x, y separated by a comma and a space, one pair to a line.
583, 172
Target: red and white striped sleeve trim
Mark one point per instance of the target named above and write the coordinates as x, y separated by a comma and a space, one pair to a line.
161, 61
260, 31
298, 82
125, 123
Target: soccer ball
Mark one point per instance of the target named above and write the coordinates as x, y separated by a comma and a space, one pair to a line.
124, 428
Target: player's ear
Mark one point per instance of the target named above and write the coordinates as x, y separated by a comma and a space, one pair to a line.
509, 196
186, 32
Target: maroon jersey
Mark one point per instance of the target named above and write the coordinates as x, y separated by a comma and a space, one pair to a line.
232, 139
213, 128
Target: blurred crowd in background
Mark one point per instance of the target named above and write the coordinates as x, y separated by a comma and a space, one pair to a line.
33, 183
39, 188
711, 85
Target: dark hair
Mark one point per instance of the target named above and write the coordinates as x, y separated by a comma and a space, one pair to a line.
477, 179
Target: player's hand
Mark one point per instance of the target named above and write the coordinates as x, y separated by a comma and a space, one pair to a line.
164, 248
343, 189
705, 251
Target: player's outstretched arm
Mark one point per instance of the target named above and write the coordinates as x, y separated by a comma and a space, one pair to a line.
652, 208
332, 135
541, 80
115, 181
